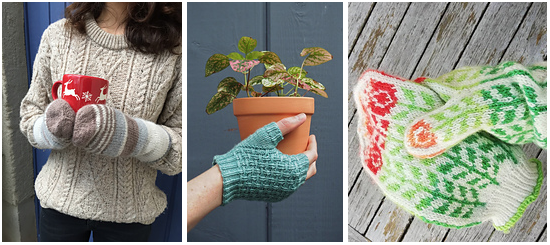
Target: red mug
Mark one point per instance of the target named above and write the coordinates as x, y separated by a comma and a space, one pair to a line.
80, 90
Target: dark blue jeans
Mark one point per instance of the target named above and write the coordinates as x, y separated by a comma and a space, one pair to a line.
59, 227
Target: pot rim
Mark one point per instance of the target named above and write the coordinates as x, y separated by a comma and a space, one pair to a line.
273, 105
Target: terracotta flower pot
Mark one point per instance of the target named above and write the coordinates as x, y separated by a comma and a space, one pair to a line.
256, 112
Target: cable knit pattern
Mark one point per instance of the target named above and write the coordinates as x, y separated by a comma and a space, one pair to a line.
145, 86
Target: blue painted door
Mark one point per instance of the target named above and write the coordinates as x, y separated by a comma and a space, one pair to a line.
168, 226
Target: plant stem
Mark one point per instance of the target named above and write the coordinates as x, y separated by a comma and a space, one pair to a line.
246, 85
299, 80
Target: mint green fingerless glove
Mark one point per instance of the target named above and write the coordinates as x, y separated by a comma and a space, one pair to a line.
255, 170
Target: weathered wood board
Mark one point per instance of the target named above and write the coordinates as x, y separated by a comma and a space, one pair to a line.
429, 39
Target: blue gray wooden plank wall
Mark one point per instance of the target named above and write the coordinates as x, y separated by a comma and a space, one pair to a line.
315, 211
168, 226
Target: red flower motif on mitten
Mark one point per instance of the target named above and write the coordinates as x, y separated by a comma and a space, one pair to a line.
377, 99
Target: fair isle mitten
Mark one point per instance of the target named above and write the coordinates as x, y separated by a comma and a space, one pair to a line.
54, 129
507, 101
479, 179
103, 130
255, 170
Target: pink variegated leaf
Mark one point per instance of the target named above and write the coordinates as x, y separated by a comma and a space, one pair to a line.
243, 66
316, 56
277, 72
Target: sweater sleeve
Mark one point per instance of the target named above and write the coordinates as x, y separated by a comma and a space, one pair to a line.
37, 98
171, 121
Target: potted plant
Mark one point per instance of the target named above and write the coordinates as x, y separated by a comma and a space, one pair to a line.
285, 85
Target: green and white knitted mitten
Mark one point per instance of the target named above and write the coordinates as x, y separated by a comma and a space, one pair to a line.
255, 170
478, 179
103, 130
54, 129
507, 101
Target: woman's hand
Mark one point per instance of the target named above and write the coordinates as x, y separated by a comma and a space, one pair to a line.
287, 125
206, 191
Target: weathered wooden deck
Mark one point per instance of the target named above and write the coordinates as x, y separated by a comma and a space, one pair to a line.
429, 39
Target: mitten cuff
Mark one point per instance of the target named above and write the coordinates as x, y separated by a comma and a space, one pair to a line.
158, 142
518, 188
45, 139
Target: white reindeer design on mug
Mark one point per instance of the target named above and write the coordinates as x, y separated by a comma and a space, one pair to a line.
70, 92
102, 96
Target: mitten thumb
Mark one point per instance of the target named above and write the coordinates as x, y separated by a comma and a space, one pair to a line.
433, 133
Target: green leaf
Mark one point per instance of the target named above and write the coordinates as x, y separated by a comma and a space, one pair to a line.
319, 92
230, 85
254, 55
316, 56
216, 63
267, 82
277, 72
313, 83
219, 101
297, 72
247, 44
255, 94
256, 80
235, 56
275, 88
269, 58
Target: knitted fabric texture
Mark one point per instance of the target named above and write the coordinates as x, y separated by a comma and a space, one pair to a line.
107, 131
91, 186
53, 130
507, 101
479, 179
255, 170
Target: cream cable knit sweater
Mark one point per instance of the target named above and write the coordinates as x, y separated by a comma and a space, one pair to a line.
149, 87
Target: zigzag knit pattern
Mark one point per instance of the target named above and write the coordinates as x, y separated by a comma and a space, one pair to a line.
479, 179
119, 187
255, 170
507, 101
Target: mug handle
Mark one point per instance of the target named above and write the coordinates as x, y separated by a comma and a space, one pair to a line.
55, 88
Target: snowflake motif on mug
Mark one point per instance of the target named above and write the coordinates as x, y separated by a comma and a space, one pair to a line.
87, 96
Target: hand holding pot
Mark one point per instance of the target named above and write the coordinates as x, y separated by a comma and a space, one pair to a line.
255, 170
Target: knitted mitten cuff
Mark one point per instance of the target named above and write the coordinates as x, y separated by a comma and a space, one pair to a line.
479, 179
507, 101
54, 129
107, 131
255, 170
